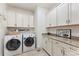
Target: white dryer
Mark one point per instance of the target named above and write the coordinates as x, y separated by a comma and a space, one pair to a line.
29, 42
12, 45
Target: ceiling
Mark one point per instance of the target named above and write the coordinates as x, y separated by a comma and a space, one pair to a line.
32, 6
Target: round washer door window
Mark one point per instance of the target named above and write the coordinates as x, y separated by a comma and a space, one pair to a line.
29, 41
13, 44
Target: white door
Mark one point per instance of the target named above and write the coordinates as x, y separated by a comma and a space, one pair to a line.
74, 13
31, 22
62, 14
57, 49
19, 19
53, 17
25, 20
11, 19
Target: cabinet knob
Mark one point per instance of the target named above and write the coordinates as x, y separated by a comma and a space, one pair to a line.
72, 49
67, 21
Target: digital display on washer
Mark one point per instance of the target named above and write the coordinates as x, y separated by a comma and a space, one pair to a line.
13, 44
29, 41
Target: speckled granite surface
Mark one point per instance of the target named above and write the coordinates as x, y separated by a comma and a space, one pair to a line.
74, 41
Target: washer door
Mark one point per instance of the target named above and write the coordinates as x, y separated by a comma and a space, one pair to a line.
13, 44
29, 41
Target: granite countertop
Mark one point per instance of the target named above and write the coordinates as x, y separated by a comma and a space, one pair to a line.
74, 41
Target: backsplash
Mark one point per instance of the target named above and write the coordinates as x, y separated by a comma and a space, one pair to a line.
75, 30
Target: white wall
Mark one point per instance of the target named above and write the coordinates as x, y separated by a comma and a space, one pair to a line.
2, 25
40, 17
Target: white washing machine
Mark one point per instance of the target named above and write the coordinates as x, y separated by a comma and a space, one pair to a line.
12, 45
29, 42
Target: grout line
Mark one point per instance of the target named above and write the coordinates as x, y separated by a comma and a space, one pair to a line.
46, 52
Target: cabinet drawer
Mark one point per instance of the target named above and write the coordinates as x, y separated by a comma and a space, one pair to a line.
74, 49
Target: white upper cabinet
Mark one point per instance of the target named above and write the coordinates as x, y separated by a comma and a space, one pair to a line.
25, 20
51, 18
31, 21
19, 18
62, 14
11, 19
74, 15
48, 21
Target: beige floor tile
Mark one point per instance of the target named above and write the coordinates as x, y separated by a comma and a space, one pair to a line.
36, 52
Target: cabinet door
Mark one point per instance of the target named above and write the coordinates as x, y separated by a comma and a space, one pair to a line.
53, 17
25, 20
31, 21
45, 43
62, 14
70, 50
74, 13
19, 18
48, 22
49, 47
57, 49
11, 19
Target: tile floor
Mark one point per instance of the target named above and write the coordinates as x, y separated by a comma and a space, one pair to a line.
36, 52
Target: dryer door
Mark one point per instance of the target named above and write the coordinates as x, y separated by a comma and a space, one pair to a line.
13, 44
29, 41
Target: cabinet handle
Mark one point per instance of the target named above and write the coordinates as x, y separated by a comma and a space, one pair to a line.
66, 21
56, 42
63, 52
72, 49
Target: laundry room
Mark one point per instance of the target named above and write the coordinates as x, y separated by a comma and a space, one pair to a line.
39, 29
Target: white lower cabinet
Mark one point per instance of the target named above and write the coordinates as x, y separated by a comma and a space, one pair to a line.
47, 45
62, 49
57, 48
72, 51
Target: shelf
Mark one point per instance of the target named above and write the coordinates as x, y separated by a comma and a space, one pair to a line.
72, 25
21, 27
